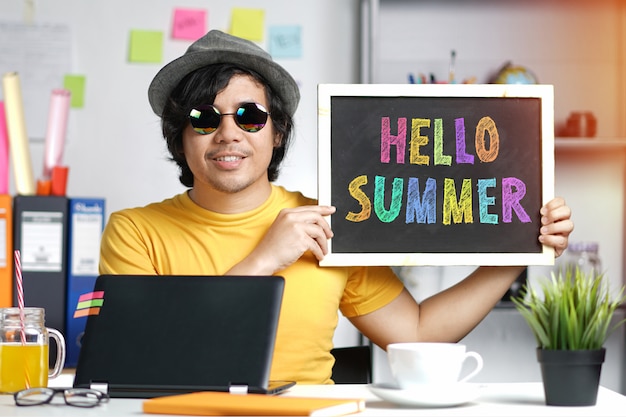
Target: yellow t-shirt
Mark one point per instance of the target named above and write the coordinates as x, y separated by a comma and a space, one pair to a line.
178, 237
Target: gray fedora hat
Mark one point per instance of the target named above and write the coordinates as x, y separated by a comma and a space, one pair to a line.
217, 47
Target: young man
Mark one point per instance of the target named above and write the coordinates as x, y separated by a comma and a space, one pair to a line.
226, 112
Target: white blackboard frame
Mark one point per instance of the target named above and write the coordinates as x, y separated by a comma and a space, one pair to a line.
543, 92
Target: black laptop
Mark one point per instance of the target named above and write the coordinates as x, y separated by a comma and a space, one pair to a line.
149, 336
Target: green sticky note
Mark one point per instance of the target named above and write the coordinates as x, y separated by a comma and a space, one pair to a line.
76, 85
146, 46
247, 23
89, 303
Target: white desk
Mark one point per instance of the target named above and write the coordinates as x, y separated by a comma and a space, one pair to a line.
500, 399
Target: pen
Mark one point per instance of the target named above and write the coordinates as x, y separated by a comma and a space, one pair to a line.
452, 63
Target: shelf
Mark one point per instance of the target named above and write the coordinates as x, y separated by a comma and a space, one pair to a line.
604, 144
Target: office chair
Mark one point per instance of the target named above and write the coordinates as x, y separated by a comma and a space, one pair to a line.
353, 365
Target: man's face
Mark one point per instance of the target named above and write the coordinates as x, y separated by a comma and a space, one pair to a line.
230, 159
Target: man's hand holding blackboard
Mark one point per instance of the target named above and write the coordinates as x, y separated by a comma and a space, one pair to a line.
294, 232
556, 225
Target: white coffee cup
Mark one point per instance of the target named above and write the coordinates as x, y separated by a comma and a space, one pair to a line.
415, 364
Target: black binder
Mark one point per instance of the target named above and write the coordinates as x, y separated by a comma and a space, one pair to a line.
40, 234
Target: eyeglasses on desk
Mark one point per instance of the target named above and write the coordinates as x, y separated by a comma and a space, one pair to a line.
77, 397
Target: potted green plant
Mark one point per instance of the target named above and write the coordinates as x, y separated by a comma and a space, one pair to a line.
571, 319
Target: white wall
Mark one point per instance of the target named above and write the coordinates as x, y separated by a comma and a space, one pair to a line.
114, 145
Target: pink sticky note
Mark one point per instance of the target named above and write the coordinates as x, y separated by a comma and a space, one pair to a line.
189, 24
4, 152
91, 296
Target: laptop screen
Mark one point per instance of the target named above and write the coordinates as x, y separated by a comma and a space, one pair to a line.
159, 335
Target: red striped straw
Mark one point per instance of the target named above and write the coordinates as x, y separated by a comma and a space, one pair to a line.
20, 304
20, 293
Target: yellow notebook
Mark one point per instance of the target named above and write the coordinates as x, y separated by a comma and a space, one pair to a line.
226, 404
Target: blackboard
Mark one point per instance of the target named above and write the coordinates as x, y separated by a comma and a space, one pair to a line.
436, 174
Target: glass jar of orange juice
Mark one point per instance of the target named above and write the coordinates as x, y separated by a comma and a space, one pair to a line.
24, 347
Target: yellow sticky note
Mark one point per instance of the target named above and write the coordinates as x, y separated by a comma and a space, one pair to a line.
247, 23
76, 85
145, 46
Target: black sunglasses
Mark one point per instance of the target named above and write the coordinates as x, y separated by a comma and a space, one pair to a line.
250, 117
78, 397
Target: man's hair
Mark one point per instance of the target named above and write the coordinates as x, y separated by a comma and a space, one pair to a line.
200, 87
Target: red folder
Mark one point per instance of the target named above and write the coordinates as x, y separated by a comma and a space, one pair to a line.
6, 257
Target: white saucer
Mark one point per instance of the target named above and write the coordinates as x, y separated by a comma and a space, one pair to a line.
428, 395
